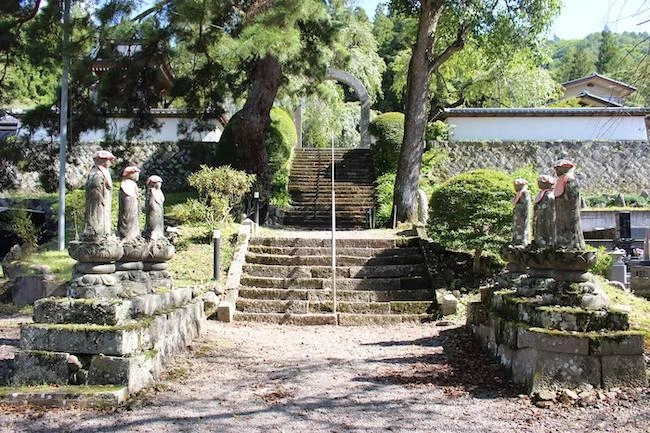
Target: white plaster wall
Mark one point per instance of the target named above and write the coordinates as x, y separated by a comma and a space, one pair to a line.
168, 132
546, 128
596, 89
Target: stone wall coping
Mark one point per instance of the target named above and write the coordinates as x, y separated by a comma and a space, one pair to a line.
226, 308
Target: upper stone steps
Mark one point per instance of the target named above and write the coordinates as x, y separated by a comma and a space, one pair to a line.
366, 252
340, 243
310, 186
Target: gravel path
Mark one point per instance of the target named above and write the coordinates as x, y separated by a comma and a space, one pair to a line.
268, 378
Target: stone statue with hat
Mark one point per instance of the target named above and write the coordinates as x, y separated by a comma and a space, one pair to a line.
128, 223
98, 249
521, 215
568, 229
544, 213
99, 188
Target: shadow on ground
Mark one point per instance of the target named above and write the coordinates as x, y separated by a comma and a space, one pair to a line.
459, 366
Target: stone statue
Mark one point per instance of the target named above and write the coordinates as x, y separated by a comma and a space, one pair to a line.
521, 215
544, 213
568, 230
128, 223
99, 188
155, 199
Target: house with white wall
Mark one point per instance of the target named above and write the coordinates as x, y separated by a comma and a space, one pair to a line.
597, 90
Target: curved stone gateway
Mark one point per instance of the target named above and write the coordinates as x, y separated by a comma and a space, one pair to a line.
359, 90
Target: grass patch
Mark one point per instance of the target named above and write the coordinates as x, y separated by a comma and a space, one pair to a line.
59, 262
15, 310
639, 315
192, 265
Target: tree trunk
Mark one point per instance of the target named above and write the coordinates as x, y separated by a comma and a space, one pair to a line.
249, 125
476, 267
415, 121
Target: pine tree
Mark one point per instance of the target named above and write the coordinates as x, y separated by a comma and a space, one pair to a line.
606, 52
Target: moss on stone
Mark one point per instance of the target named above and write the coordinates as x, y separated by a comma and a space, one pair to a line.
65, 389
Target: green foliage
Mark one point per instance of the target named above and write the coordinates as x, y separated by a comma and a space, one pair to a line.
190, 212
384, 186
388, 130
19, 223
603, 261
220, 189
612, 200
529, 173
281, 139
433, 169
472, 210
606, 52
437, 131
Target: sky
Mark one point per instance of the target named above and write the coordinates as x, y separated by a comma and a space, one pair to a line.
579, 18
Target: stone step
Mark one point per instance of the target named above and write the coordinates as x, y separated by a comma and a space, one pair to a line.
319, 307
333, 319
319, 213
418, 282
382, 319
385, 271
340, 243
341, 251
341, 295
287, 318
341, 260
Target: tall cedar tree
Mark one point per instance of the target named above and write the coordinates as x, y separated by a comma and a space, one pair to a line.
443, 28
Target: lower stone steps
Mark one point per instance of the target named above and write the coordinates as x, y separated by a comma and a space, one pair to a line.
341, 319
251, 293
321, 307
362, 272
379, 284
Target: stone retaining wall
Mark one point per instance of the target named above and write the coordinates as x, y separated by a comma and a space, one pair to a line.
603, 166
173, 161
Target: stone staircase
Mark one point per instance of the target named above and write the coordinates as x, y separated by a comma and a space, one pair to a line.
378, 281
311, 190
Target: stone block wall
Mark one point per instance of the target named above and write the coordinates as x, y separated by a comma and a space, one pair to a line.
603, 166
173, 161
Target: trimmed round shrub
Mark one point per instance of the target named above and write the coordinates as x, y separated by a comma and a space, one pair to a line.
388, 131
281, 139
472, 211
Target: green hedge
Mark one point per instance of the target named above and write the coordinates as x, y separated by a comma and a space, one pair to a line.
472, 210
388, 130
281, 139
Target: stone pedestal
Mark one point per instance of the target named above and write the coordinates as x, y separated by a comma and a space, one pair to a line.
94, 273
552, 346
106, 341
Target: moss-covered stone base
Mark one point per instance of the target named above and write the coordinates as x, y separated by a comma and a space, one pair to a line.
130, 353
548, 346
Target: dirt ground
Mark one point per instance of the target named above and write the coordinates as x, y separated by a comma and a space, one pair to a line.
267, 378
